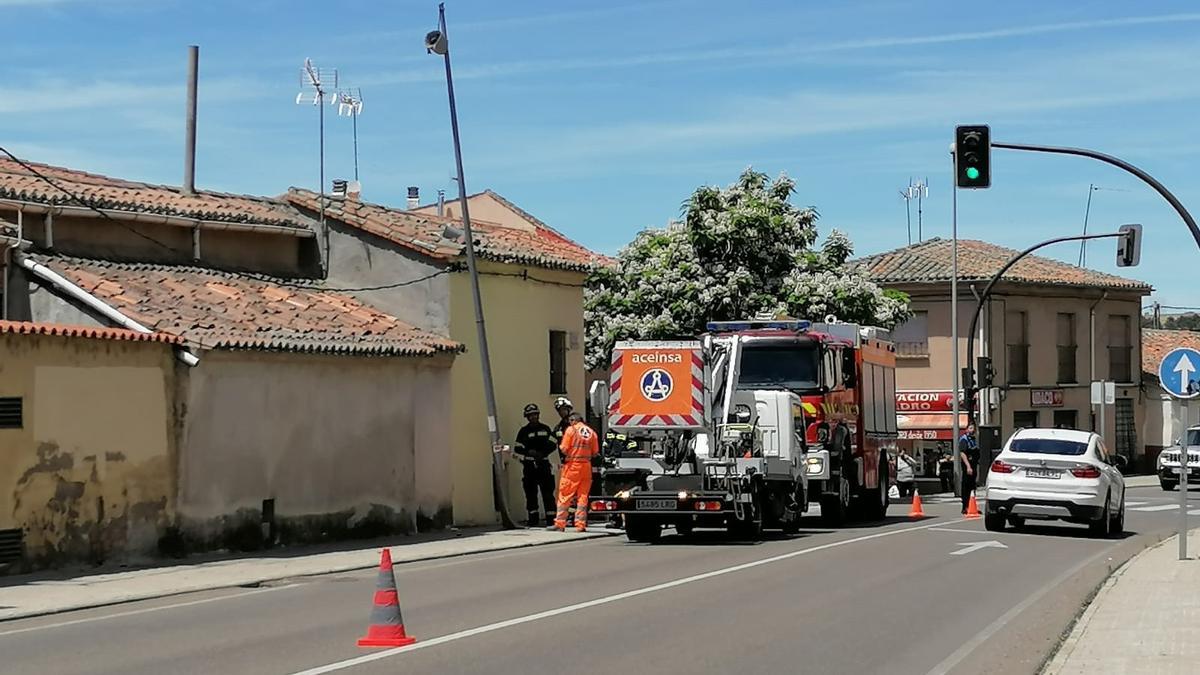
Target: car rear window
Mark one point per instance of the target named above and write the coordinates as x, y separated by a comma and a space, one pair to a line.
1047, 446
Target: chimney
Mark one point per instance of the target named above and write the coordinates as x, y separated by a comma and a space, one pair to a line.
441, 202
414, 197
189, 147
339, 187
354, 191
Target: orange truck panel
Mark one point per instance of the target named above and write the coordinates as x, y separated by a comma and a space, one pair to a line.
657, 384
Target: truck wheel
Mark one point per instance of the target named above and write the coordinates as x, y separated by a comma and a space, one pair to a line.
642, 530
835, 509
993, 522
1168, 485
875, 502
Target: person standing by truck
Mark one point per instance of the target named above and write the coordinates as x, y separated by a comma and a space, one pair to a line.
579, 446
534, 446
905, 473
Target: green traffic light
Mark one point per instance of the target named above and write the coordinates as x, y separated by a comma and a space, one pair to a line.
972, 173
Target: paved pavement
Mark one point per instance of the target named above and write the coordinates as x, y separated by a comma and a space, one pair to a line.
48, 596
941, 595
1144, 620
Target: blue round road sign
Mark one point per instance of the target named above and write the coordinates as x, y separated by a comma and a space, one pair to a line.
1179, 372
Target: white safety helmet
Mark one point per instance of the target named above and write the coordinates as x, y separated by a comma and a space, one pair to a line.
563, 402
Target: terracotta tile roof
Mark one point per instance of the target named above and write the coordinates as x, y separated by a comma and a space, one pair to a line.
929, 261
1156, 343
18, 183
215, 309
424, 233
92, 332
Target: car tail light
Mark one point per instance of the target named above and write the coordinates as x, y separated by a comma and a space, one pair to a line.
1085, 472
708, 506
604, 505
1001, 467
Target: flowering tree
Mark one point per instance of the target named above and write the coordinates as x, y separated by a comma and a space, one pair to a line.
736, 253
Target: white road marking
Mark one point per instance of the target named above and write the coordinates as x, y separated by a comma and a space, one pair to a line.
1160, 507
982, 636
976, 546
1136, 503
146, 610
568, 609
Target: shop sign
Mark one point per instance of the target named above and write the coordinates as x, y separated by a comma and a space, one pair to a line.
1046, 398
926, 434
924, 401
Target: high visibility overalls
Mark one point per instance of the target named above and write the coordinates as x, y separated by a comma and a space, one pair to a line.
579, 446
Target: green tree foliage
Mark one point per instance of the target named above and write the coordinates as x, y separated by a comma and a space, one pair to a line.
736, 253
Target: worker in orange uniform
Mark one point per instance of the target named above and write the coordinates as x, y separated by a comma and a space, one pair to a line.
579, 445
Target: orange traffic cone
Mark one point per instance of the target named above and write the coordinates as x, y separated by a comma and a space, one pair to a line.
972, 508
387, 625
916, 511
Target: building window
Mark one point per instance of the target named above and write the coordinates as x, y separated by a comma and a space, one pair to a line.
1025, 419
12, 412
1067, 349
1126, 429
1016, 340
1066, 419
558, 362
1120, 350
912, 337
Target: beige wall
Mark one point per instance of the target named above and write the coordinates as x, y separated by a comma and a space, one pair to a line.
335, 441
1042, 307
519, 316
89, 476
96, 237
484, 207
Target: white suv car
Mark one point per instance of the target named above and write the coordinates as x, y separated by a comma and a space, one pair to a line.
1168, 460
1056, 474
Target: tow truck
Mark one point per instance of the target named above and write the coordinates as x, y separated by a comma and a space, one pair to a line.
738, 427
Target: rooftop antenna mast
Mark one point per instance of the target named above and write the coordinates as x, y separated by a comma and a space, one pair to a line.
349, 103
921, 190
907, 195
1087, 210
313, 81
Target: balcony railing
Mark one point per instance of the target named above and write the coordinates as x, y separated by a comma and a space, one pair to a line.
912, 348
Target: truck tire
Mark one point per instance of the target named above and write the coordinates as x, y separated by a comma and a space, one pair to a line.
875, 502
642, 530
835, 508
1168, 485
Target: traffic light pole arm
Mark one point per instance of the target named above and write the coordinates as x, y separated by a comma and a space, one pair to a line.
987, 292
1120, 164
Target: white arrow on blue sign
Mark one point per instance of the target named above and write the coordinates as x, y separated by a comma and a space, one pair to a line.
1179, 372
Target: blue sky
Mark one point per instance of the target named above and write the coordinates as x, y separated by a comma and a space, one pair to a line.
601, 117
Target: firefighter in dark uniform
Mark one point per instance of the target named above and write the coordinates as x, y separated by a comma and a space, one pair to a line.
535, 444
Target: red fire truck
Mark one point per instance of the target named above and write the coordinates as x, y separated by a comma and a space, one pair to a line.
843, 373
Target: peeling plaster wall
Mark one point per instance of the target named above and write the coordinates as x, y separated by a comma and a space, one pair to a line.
340, 443
88, 476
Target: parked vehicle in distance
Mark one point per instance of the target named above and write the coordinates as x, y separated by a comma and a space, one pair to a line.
1168, 460
1056, 474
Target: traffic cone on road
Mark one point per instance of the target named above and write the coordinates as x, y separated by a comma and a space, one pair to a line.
972, 508
916, 511
387, 625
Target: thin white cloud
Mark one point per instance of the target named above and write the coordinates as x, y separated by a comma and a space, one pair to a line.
755, 55
62, 95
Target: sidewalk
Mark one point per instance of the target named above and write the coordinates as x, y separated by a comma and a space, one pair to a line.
1145, 618
48, 596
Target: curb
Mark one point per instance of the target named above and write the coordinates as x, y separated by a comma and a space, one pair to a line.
257, 581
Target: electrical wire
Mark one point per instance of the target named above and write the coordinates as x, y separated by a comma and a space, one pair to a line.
256, 277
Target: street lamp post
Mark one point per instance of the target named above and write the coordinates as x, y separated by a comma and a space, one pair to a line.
437, 42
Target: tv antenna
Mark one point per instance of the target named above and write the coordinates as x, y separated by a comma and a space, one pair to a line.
918, 190
349, 103
313, 81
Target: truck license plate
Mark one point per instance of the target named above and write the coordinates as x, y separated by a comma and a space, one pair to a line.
1043, 473
656, 504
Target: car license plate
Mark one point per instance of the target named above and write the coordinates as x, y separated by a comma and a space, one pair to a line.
1043, 473
656, 504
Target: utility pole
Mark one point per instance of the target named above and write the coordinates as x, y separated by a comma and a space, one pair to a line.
906, 195
1157, 315
922, 188
954, 368
437, 42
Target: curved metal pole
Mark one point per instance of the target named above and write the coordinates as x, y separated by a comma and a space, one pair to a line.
1120, 164
987, 292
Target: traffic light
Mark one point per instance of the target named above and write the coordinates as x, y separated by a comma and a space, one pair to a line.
968, 382
987, 376
973, 156
1129, 246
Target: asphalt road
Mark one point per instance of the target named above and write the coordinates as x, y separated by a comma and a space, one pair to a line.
896, 597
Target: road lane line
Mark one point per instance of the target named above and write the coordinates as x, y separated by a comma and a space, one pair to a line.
1160, 507
568, 609
1136, 503
147, 610
982, 636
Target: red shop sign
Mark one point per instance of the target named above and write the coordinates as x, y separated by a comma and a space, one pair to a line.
924, 401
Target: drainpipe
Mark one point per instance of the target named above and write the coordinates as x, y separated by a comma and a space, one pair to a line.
54, 278
1092, 353
985, 408
48, 227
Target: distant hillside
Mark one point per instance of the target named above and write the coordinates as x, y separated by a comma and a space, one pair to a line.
1186, 321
